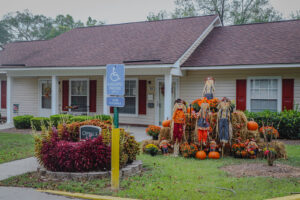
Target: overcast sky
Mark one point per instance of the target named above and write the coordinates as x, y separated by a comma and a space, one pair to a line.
111, 11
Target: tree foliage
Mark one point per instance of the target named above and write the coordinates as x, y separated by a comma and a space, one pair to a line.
295, 15
159, 16
25, 26
229, 11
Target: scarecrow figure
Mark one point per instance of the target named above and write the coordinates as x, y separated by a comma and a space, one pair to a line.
164, 145
178, 124
202, 125
224, 128
209, 88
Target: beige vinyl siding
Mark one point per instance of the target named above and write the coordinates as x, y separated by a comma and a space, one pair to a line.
25, 93
192, 83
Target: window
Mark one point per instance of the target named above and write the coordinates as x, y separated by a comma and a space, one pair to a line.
46, 94
264, 94
79, 95
130, 97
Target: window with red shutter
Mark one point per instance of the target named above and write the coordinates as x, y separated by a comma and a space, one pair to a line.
3, 94
65, 95
93, 95
241, 92
287, 94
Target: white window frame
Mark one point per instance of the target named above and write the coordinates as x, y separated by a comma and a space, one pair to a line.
279, 86
40, 91
137, 99
88, 94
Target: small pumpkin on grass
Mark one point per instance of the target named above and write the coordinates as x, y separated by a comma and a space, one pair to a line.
201, 155
214, 155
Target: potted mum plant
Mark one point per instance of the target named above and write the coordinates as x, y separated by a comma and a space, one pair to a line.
153, 131
151, 149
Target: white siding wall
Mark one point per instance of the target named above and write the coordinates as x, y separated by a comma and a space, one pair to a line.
25, 93
192, 84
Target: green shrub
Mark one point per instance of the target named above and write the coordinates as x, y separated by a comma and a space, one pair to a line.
288, 120
38, 121
102, 117
81, 118
22, 122
56, 119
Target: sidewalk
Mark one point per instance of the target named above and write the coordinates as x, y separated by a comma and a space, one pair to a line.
17, 167
14, 193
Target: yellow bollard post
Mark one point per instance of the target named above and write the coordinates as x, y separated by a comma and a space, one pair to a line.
115, 157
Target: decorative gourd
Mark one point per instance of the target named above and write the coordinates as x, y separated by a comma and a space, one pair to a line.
214, 155
201, 155
244, 154
166, 123
252, 125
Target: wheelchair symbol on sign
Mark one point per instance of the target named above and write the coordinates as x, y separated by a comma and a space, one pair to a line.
114, 76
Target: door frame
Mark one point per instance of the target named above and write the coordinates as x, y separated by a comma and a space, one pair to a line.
162, 79
40, 99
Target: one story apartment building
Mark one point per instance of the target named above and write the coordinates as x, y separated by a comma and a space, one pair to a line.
257, 65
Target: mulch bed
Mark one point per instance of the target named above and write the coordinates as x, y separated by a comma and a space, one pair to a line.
262, 169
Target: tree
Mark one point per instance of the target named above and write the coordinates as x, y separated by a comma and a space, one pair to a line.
26, 26
5, 37
159, 16
295, 15
93, 22
229, 11
248, 11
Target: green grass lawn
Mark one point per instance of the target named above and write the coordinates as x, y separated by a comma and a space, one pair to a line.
15, 146
180, 178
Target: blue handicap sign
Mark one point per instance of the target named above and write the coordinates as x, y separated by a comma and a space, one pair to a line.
115, 101
115, 79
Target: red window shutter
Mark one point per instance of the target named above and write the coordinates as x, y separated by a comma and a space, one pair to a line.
93, 95
241, 92
3, 94
142, 97
111, 109
65, 95
287, 94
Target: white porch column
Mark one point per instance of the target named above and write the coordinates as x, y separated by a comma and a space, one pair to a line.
105, 107
54, 95
8, 99
168, 96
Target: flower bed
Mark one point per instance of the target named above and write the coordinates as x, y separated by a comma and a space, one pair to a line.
60, 149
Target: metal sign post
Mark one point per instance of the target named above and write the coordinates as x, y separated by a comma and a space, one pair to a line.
115, 79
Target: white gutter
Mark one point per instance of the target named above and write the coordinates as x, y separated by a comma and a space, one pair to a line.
83, 67
242, 67
194, 46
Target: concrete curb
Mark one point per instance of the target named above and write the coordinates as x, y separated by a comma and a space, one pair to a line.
83, 196
129, 170
291, 197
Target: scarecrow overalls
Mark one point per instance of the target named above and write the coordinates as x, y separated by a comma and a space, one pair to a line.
224, 126
209, 94
203, 126
179, 122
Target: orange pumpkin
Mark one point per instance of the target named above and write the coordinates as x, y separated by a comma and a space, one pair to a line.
189, 110
252, 125
214, 155
166, 123
244, 154
201, 155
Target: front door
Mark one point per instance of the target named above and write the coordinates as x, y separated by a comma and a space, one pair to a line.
45, 98
160, 98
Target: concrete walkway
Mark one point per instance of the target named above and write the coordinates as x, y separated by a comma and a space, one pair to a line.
17, 167
14, 193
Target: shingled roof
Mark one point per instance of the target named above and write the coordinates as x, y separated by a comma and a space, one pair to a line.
252, 44
157, 42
